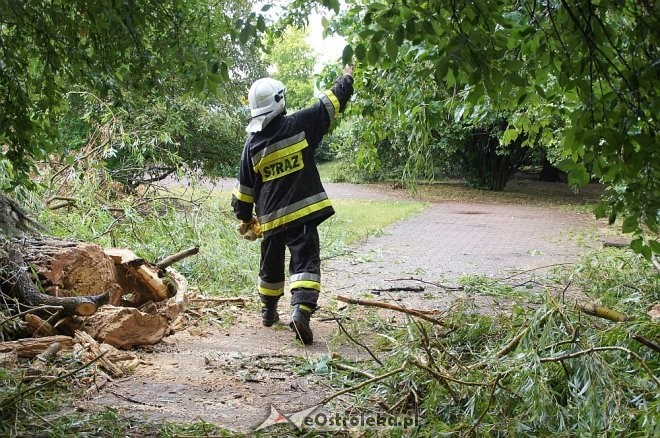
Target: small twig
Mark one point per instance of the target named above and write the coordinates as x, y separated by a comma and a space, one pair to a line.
29, 311
341, 326
128, 399
534, 269
400, 289
441, 286
595, 349
647, 342
363, 384
351, 369
442, 377
490, 401
429, 354
236, 300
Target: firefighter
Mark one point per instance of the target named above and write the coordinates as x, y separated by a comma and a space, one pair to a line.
279, 179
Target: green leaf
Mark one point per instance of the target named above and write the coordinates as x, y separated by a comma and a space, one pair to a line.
347, 55
630, 224
509, 135
224, 71
392, 48
373, 54
566, 165
360, 52
655, 246
578, 176
245, 33
601, 210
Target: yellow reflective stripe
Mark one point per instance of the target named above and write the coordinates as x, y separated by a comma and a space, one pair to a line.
277, 146
307, 284
295, 215
306, 308
242, 196
274, 156
334, 100
271, 292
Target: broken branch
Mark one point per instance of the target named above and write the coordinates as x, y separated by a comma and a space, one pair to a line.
400, 289
413, 312
170, 260
596, 349
604, 312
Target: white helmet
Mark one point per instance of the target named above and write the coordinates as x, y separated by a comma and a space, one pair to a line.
266, 101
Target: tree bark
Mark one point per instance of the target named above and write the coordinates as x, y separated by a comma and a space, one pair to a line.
16, 282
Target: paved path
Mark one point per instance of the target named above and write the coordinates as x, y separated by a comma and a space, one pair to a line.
452, 239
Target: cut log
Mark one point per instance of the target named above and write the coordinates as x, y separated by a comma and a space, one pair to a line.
126, 327
17, 283
69, 267
31, 347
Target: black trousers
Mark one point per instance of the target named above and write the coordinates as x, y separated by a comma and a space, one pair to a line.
304, 265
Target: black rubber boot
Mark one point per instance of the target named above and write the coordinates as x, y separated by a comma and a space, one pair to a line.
300, 323
269, 315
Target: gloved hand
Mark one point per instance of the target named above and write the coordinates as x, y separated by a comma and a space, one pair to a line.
250, 230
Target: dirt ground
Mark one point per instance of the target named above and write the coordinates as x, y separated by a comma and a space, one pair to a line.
232, 374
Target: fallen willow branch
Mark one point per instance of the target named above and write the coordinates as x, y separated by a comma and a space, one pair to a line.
493, 386
414, 312
604, 312
13, 399
343, 367
513, 344
341, 326
365, 383
596, 349
443, 377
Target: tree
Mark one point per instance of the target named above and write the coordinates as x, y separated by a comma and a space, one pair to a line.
119, 52
293, 60
584, 74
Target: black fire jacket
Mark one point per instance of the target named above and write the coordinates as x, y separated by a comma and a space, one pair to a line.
278, 175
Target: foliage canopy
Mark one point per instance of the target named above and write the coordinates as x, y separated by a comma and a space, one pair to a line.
579, 76
131, 56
